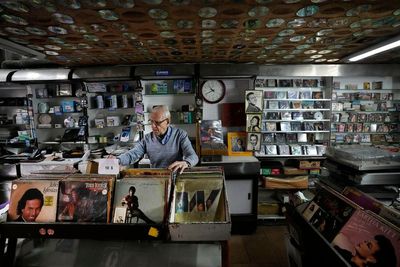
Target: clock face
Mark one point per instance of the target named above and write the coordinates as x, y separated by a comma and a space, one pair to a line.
213, 91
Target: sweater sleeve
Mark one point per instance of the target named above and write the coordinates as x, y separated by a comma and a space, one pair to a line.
188, 152
133, 154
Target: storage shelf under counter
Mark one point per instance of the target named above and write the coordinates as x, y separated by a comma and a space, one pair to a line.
241, 177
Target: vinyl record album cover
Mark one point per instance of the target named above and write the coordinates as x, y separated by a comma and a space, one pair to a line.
5, 193
33, 200
144, 199
197, 199
85, 199
328, 213
368, 240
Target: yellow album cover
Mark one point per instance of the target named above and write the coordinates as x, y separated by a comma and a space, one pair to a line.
197, 199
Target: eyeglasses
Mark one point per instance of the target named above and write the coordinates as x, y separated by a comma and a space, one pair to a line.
156, 123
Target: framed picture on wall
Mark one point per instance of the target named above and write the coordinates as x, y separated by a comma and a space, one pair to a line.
253, 141
253, 101
253, 123
237, 144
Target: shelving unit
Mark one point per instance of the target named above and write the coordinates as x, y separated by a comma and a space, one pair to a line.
115, 112
295, 118
173, 99
365, 110
174, 86
14, 116
59, 114
295, 126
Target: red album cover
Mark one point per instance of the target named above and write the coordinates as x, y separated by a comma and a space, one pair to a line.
362, 199
365, 240
33, 200
85, 200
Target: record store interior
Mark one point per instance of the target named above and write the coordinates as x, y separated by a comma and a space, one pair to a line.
201, 133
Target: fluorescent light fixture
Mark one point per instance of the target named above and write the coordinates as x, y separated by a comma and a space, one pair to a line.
20, 49
376, 49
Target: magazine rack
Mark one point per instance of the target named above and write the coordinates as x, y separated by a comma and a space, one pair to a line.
327, 230
11, 231
306, 241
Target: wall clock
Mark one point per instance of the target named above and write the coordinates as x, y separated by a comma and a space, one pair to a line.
213, 91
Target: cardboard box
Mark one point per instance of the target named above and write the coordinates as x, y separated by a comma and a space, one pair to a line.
49, 167
295, 182
306, 164
294, 171
202, 231
266, 208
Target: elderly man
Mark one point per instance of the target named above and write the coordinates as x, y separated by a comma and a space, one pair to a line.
166, 146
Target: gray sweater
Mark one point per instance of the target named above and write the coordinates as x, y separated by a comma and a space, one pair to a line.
178, 147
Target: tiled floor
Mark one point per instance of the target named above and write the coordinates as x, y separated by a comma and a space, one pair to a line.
265, 248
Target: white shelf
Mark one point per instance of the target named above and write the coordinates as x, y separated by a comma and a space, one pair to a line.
312, 89
298, 109
266, 120
169, 94
295, 99
333, 132
358, 111
365, 90
288, 156
346, 96
294, 131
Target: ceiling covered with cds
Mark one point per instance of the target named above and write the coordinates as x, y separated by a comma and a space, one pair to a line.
108, 32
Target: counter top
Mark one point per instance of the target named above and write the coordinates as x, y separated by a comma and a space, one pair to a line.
232, 159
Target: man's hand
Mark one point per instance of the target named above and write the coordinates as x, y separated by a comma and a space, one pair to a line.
178, 165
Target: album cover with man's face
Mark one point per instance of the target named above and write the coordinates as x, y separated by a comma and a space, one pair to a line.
33, 200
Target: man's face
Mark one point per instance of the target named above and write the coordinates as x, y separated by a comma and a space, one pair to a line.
159, 124
252, 99
31, 210
253, 140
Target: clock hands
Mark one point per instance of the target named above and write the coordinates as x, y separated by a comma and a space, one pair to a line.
213, 91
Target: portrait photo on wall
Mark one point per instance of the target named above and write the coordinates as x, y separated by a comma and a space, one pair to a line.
253, 141
253, 101
253, 122
237, 144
